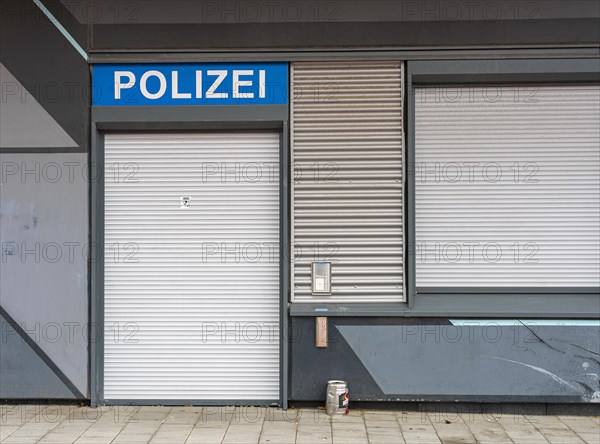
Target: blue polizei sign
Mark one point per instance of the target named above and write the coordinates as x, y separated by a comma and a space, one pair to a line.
190, 84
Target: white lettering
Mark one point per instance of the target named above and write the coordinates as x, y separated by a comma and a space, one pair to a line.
237, 83
161, 89
175, 91
119, 85
210, 94
262, 84
198, 84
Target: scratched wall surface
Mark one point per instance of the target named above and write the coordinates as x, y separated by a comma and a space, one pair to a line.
44, 233
432, 359
44, 141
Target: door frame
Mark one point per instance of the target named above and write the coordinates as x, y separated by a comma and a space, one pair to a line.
272, 118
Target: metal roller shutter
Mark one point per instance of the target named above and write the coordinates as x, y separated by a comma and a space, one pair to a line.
508, 186
194, 312
347, 151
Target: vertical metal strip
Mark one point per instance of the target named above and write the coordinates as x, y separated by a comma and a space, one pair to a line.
410, 192
291, 251
96, 327
404, 179
284, 266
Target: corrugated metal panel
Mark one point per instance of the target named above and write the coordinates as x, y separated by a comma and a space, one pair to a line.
508, 186
194, 313
347, 151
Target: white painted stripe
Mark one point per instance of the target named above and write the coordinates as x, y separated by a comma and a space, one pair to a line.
63, 31
528, 322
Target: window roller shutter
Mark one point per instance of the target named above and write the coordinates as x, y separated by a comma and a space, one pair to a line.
347, 150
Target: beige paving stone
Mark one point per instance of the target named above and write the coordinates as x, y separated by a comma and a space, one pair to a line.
590, 438
385, 430
380, 416
479, 418
99, 434
382, 424
417, 428
302, 431
546, 422
180, 417
241, 437
138, 438
152, 408
413, 418
40, 425
420, 438
352, 428
109, 425
350, 440
353, 415
310, 437
563, 437
522, 436
456, 435
72, 426
151, 413
445, 418
279, 425
141, 427
19, 440
187, 409
7, 408
488, 432
581, 424
246, 428
291, 415
59, 438
251, 415
205, 435
494, 442
277, 439
30, 432
314, 417
84, 414
223, 414
172, 433
384, 438
14, 418
212, 424
348, 434
273, 436
7, 430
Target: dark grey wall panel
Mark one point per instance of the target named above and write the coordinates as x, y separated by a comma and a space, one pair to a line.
252, 11
22, 114
44, 239
431, 359
48, 67
250, 36
23, 374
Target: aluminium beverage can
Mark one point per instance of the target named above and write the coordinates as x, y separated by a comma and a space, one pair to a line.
337, 397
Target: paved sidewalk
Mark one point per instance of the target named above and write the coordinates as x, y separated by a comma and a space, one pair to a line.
245, 425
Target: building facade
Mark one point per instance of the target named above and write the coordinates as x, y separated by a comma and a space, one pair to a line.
235, 202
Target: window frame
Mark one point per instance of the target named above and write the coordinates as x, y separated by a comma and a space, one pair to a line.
506, 303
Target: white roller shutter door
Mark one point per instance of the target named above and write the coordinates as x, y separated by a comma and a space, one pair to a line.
192, 301
508, 186
347, 149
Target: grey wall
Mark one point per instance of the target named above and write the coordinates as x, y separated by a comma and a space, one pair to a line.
246, 24
23, 372
44, 239
432, 359
44, 121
